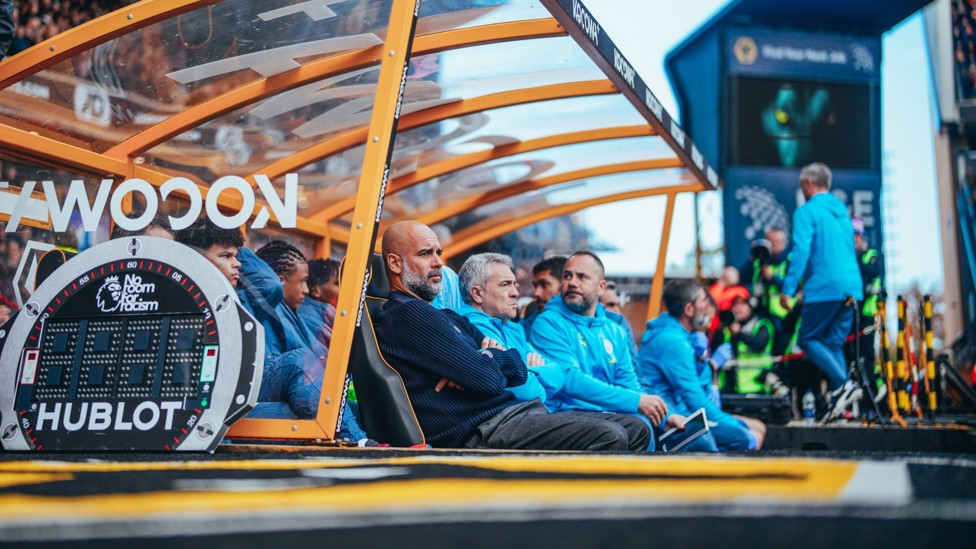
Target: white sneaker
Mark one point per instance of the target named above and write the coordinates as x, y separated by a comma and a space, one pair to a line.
840, 399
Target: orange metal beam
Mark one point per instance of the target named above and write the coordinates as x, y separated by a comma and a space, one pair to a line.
94, 32
382, 131
50, 152
324, 68
436, 169
490, 228
274, 429
657, 283
459, 206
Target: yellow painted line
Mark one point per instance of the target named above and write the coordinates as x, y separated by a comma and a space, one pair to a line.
448, 494
681, 480
21, 479
586, 464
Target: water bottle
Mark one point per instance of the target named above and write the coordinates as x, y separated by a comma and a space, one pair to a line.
809, 407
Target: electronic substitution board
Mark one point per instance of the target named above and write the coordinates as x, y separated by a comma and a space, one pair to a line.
135, 344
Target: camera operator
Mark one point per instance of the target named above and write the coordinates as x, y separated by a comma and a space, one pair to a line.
768, 263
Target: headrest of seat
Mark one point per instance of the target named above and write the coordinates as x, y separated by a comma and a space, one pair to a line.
379, 283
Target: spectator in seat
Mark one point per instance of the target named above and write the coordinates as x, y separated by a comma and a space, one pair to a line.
612, 302
318, 309
547, 276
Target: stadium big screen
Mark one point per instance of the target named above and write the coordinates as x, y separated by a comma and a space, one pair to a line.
790, 123
794, 98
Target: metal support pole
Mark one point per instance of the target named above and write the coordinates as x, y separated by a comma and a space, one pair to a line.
657, 284
366, 215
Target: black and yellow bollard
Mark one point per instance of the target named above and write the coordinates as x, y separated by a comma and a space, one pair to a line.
929, 354
901, 367
887, 368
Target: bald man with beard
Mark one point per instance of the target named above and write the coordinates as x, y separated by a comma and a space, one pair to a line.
456, 377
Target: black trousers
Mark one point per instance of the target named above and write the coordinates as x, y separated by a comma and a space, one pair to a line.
530, 426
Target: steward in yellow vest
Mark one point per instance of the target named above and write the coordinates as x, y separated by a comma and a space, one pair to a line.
871, 263
752, 344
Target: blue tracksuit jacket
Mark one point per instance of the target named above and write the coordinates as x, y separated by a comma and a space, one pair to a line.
595, 357
543, 382
823, 252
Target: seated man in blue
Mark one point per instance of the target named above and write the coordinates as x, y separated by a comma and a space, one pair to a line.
490, 292
666, 362
456, 378
575, 333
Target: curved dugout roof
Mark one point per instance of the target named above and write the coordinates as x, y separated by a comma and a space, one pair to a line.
499, 101
512, 112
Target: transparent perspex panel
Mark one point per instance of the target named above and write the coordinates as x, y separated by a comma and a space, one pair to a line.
114, 90
493, 68
422, 146
539, 167
245, 140
444, 15
567, 193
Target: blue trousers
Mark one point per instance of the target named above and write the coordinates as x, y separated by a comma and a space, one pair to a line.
823, 329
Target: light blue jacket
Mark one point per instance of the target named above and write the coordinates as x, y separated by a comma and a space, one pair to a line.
625, 324
547, 380
823, 252
450, 295
595, 356
666, 366
294, 357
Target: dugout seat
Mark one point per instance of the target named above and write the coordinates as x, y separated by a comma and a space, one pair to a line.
384, 407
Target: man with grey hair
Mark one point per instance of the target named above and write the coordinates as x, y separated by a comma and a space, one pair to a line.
490, 293
824, 257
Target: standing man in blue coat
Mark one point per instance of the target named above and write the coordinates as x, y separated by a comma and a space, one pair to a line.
574, 332
824, 257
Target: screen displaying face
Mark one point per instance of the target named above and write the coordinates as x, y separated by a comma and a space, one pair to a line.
791, 123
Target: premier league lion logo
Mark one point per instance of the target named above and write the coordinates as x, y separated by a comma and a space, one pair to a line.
109, 296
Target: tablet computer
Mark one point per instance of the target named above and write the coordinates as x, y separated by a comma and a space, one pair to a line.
674, 440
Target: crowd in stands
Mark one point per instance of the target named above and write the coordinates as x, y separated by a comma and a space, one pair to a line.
964, 46
34, 21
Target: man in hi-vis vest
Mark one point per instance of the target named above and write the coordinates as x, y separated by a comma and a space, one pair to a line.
751, 337
871, 263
